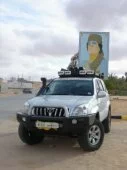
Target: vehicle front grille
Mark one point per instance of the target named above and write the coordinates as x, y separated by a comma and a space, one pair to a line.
48, 111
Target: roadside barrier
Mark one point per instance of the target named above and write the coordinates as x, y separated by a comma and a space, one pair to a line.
123, 117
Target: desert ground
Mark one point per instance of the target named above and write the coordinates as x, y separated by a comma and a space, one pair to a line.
60, 153
119, 105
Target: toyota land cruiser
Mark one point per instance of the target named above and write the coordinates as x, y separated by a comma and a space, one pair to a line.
75, 104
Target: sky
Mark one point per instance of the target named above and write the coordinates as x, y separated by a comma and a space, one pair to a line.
38, 38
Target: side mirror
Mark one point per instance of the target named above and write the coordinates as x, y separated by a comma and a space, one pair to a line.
44, 82
101, 94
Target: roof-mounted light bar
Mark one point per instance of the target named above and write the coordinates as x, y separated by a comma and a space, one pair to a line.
79, 73
67, 72
90, 72
97, 74
61, 73
82, 72
64, 73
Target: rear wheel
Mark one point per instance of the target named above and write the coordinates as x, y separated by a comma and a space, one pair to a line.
93, 136
29, 137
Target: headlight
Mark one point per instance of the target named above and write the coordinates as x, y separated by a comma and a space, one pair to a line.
79, 111
26, 107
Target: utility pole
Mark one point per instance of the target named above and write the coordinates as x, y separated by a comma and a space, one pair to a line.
22, 81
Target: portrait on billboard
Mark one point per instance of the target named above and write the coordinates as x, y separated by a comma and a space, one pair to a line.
94, 51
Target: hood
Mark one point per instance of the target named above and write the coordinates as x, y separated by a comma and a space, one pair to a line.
59, 101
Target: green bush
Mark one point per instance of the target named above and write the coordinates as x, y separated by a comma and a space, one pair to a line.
116, 86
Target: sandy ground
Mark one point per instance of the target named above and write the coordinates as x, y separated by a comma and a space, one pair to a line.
62, 153
10, 93
119, 106
7, 94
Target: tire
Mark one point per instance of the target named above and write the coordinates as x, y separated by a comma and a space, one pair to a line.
107, 123
89, 142
29, 137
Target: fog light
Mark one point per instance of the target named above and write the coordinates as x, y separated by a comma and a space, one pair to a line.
24, 119
74, 121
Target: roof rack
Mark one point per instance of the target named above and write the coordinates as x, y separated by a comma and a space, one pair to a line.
79, 72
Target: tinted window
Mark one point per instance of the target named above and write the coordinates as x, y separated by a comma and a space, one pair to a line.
70, 87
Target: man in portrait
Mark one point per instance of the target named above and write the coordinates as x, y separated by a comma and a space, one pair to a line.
94, 48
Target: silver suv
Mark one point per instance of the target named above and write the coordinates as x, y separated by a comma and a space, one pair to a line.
75, 104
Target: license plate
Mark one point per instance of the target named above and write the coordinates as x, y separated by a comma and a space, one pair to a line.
47, 125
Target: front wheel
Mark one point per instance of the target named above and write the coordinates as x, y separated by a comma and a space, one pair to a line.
93, 136
29, 137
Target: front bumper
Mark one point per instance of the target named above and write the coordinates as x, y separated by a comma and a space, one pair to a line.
66, 124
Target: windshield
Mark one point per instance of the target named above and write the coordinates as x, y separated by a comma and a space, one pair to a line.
69, 87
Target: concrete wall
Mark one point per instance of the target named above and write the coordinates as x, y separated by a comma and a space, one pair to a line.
19, 85
3, 87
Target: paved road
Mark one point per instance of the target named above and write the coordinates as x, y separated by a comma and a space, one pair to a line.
11, 104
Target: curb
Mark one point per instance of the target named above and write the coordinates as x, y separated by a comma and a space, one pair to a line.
123, 117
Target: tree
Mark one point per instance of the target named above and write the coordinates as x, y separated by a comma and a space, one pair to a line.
116, 85
126, 75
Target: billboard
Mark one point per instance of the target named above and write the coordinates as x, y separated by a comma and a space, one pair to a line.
94, 51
